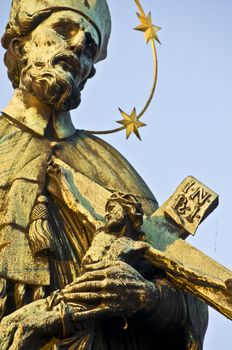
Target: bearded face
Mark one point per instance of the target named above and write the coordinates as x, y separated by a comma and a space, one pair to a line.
52, 83
115, 216
59, 57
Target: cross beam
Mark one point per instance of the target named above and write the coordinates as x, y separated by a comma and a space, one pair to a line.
185, 266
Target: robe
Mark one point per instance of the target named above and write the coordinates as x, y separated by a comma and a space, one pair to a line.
76, 174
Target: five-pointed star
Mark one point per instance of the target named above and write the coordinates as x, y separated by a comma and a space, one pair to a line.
131, 123
149, 29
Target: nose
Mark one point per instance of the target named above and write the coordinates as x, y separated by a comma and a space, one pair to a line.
78, 42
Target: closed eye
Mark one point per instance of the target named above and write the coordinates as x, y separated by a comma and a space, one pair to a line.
66, 29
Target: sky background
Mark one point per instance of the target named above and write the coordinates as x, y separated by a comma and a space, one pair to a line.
189, 122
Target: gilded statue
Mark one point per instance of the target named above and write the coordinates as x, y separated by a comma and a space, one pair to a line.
72, 269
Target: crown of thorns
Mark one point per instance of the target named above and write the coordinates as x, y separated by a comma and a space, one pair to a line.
130, 204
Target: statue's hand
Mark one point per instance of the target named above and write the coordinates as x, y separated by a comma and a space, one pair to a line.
111, 288
30, 324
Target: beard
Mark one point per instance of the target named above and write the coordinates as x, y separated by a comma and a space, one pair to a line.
54, 82
115, 224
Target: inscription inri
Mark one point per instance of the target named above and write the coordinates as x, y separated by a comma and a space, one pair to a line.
190, 204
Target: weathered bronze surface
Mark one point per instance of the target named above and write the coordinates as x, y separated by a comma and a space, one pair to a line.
87, 260
186, 266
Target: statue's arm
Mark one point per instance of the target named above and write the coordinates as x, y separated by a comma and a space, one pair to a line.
176, 314
160, 306
32, 322
170, 309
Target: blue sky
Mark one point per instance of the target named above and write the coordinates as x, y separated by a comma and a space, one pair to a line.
189, 122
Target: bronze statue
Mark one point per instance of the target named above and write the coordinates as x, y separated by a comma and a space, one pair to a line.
54, 184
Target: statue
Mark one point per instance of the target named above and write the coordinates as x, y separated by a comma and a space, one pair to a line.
54, 185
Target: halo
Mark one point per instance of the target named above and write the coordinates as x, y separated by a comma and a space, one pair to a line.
131, 122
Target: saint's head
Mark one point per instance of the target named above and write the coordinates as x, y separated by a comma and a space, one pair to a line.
52, 46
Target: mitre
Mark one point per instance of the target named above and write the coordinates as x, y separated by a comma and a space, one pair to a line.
26, 15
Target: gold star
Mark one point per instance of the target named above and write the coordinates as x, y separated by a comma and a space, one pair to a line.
131, 123
149, 29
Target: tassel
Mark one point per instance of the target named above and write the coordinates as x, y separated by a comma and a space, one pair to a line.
40, 232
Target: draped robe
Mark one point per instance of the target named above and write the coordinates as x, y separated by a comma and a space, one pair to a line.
89, 168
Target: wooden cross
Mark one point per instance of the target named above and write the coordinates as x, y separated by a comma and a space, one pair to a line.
166, 230
186, 266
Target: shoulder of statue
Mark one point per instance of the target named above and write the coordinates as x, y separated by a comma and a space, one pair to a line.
102, 163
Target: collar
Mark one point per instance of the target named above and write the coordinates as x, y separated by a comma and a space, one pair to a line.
27, 110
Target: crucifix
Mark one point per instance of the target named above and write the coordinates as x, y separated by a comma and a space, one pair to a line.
87, 259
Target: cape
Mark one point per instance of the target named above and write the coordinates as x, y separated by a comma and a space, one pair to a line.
78, 173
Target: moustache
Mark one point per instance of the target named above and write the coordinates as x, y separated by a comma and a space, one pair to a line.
66, 60
54, 80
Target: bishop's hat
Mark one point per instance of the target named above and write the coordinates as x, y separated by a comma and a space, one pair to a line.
26, 15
